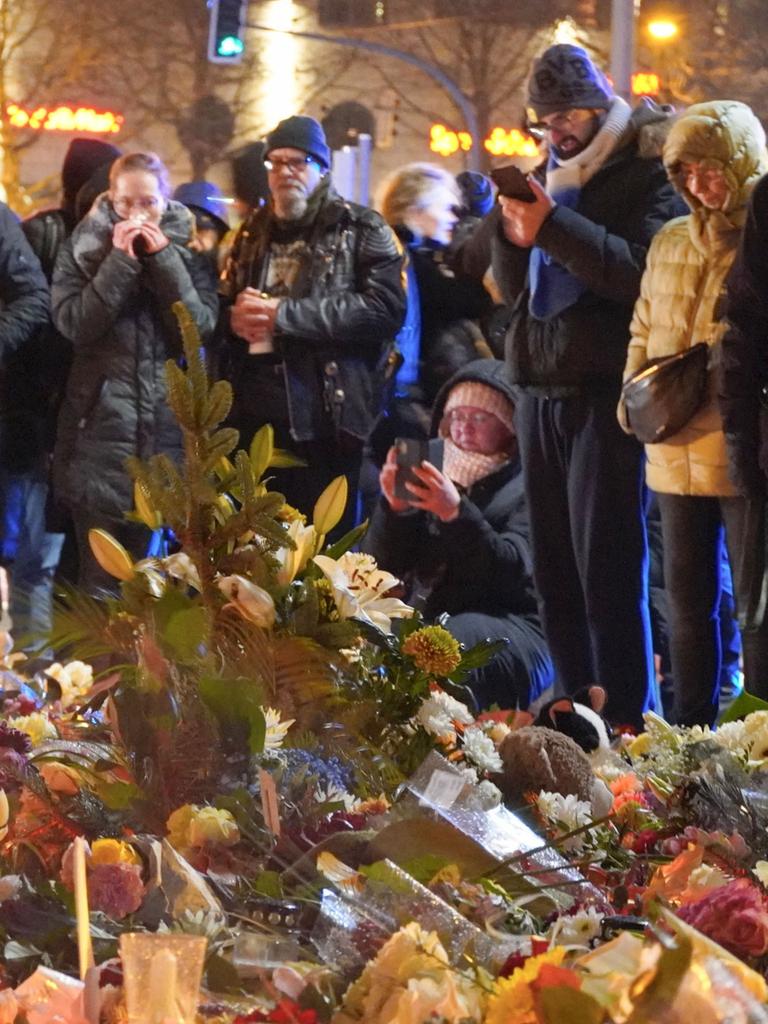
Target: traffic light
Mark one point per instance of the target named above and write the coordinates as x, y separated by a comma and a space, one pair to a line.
225, 40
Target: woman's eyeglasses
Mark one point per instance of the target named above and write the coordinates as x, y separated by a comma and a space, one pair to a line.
476, 419
147, 204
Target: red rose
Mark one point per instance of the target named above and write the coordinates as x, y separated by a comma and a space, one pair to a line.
735, 915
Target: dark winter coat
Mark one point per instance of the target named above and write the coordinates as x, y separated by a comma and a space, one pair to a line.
478, 562
603, 242
336, 330
449, 301
116, 311
24, 297
744, 357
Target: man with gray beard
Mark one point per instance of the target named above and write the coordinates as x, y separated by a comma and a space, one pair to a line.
316, 294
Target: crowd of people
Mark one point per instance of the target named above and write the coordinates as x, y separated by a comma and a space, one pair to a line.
504, 328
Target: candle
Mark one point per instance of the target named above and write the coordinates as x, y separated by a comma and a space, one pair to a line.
163, 979
84, 947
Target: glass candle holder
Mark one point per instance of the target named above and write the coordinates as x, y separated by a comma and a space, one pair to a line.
162, 976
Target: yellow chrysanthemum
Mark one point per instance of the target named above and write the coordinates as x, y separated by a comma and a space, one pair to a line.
113, 851
36, 726
512, 1000
433, 650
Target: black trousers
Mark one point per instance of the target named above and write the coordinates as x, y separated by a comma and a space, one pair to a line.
584, 482
519, 673
693, 529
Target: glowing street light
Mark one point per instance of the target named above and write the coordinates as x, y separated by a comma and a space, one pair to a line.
662, 29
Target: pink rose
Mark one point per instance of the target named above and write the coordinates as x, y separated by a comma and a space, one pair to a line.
735, 915
115, 889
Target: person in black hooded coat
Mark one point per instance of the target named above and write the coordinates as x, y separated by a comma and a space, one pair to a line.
116, 280
462, 546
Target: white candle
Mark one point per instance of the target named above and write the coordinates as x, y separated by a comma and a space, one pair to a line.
163, 972
84, 947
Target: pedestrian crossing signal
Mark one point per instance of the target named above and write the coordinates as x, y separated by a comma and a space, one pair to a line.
225, 40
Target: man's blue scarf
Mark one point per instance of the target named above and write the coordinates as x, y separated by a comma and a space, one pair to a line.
553, 288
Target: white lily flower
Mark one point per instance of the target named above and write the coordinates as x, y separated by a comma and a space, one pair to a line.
358, 588
249, 599
292, 561
276, 729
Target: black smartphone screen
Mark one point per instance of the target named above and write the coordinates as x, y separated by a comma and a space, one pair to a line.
512, 183
412, 452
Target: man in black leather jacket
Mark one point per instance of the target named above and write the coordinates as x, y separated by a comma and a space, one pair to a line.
317, 297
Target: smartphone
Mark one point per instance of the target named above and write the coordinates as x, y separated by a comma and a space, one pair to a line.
412, 452
512, 184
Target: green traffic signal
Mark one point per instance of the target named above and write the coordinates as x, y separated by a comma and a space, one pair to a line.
230, 46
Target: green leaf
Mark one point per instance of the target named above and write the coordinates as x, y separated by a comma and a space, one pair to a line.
744, 705
221, 975
476, 657
238, 700
261, 450
424, 868
282, 459
268, 884
347, 541
186, 632
560, 1004
119, 796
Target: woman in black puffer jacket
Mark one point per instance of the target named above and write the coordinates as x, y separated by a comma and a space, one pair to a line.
115, 282
461, 544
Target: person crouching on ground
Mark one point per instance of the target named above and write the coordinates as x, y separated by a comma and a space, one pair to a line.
460, 542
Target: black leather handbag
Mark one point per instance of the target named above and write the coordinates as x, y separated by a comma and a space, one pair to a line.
665, 393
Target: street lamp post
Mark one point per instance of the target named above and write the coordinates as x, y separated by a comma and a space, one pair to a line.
460, 98
623, 46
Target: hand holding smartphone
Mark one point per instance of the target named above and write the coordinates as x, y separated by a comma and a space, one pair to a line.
513, 184
412, 452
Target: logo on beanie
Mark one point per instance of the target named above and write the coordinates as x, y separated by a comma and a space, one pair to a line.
578, 84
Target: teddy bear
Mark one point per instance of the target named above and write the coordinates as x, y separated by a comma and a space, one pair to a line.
538, 758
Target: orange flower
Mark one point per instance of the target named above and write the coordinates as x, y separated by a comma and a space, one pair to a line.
626, 783
670, 880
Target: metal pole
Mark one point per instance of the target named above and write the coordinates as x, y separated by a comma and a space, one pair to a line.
462, 101
364, 169
623, 46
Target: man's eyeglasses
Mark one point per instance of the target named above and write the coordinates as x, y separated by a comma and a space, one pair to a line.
560, 122
476, 419
147, 204
293, 164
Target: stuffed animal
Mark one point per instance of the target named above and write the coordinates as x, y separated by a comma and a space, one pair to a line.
578, 717
537, 758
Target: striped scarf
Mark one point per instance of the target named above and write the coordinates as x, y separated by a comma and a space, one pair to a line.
553, 288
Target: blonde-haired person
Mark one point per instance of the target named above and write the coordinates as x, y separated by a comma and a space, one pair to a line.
421, 202
116, 279
714, 155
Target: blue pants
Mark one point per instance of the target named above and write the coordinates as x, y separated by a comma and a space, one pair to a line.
31, 553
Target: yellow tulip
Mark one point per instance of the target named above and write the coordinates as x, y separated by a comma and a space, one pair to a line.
329, 507
111, 555
5, 815
144, 510
262, 449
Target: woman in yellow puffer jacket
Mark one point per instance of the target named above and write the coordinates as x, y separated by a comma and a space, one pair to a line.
715, 153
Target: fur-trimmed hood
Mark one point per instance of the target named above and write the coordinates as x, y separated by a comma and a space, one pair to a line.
648, 128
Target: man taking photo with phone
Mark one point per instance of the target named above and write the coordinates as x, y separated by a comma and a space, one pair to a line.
569, 266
